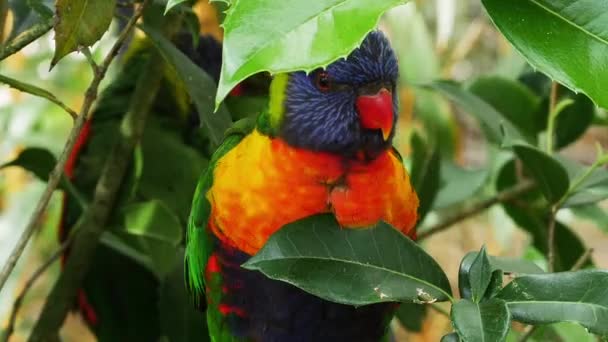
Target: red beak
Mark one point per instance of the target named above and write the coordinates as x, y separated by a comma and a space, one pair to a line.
376, 111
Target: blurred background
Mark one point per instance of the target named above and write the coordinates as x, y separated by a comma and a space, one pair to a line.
434, 39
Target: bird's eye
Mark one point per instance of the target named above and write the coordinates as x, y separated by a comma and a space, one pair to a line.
322, 81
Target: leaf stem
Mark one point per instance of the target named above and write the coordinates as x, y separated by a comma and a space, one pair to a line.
89, 56
55, 176
551, 239
25, 38
503, 196
582, 260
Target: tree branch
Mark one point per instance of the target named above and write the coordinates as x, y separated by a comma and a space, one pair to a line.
28, 285
55, 176
25, 38
503, 196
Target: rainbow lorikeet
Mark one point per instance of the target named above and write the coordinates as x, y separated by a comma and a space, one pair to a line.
322, 146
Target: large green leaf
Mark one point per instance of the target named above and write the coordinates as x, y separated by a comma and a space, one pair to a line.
153, 220
477, 322
173, 3
80, 23
548, 173
567, 40
425, 175
580, 297
351, 266
305, 35
510, 98
28, 13
492, 122
411, 315
199, 85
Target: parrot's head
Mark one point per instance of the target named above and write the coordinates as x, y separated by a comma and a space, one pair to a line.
348, 108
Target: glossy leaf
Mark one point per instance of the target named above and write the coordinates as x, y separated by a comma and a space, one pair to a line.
180, 321
28, 13
351, 266
569, 296
173, 3
551, 177
489, 118
38, 161
308, 35
486, 321
80, 23
512, 99
199, 85
551, 34
153, 220
425, 175
494, 286
592, 190
574, 120
480, 275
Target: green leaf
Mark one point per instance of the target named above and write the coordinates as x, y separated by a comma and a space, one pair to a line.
551, 34
31, 89
497, 264
489, 118
305, 37
530, 212
579, 297
411, 315
179, 320
593, 213
246, 106
173, 3
38, 161
494, 286
170, 168
486, 321
511, 99
351, 266
199, 85
548, 173
27, 14
152, 220
514, 265
574, 120
425, 175
80, 23
480, 275
458, 184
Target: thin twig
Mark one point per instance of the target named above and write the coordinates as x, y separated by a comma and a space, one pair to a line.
30, 282
551, 240
55, 176
26, 38
582, 260
503, 196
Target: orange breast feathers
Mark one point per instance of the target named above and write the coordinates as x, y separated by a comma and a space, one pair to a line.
263, 184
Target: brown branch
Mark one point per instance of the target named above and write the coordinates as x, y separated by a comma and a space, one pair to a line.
28, 285
582, 260
503, 196
55, 176
25, 38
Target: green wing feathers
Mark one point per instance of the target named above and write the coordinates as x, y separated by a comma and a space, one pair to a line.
199, 246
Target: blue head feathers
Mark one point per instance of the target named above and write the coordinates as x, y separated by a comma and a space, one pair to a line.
347, 108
